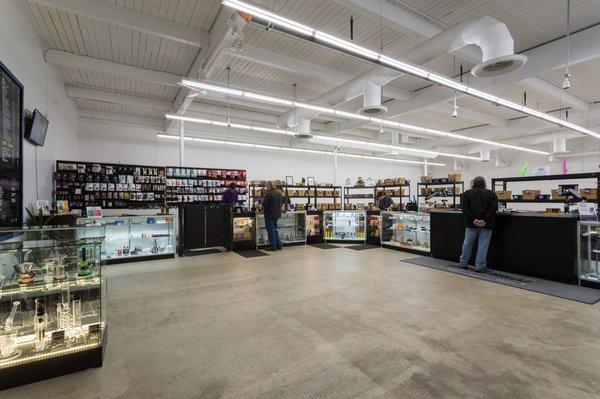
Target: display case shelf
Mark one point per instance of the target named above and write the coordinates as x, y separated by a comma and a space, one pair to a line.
52, 310
588, 254
406, 230
134, 238
344, 226
291, 227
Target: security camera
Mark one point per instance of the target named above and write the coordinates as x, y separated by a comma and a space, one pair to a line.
566, 81
454, 112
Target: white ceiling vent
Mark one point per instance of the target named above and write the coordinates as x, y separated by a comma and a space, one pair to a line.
372, 100
303, 129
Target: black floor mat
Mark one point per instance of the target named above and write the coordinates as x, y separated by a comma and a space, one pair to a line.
548, 287
362, 247
251, 253
324, 245
203, 252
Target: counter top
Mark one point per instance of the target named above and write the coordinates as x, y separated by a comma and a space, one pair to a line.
521, 214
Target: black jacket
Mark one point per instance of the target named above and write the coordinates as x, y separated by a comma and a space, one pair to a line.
480, 203
385, 202
272, 204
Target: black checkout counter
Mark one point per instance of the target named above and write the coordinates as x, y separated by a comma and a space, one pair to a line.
529, 243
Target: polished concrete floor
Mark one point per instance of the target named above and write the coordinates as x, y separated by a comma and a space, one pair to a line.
313, 323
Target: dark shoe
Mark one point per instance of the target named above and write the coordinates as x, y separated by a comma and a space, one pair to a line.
480, 269
280, 248
463, 265
271, 249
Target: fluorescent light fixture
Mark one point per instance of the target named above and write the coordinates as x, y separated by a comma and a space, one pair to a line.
290, 149
347, 115
367, 145
402, 66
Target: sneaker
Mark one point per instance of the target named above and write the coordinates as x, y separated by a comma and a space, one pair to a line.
463, 265
271, 249
480, 269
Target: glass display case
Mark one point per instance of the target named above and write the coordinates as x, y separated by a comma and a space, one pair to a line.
243, 231
130, 238
291, 227
52, 313
314, 227
344, 225
405, 230
588, 256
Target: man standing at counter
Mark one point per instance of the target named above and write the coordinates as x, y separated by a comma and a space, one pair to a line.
272, 209
479, 205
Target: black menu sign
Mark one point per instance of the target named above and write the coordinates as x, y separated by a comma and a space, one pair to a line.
11, 126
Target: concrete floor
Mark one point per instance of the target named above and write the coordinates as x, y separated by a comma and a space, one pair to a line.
313, 323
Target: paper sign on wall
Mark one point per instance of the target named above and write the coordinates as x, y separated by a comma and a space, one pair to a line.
588, 211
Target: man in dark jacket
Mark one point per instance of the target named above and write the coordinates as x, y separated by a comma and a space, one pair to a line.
479, 205
272, 210
384, 202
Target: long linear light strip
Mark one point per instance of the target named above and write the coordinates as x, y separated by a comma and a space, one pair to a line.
369, 145
406, 67
349, 115
272, 147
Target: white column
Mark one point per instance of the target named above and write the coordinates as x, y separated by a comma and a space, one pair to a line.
425, 168
335, 166
181, 143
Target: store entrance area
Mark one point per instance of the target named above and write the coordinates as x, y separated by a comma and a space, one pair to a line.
338, 323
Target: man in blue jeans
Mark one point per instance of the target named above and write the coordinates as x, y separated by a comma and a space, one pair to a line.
479, 205
272, 210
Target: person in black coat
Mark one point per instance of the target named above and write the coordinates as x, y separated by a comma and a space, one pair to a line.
271, 203
479, 205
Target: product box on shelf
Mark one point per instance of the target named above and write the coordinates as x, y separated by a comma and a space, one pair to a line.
504, 194
531, 194
589, 193
556, 196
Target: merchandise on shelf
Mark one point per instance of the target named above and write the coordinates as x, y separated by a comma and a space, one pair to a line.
130, 237
314, 225
406, 230
85, 184
201, 185
51, 302
344, 225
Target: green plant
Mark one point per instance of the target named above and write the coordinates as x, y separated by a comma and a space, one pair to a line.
38, 219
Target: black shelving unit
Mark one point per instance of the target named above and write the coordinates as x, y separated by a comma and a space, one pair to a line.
453, 184
348, 195
501, 183
312, 197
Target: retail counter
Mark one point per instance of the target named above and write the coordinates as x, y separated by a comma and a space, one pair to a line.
527, 243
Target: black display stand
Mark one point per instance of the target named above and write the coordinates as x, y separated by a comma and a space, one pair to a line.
530, 244
201, 227
53, 367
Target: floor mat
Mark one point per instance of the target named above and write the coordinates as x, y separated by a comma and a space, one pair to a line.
251, 253
362, 247
203, 252
553, 288
324, 245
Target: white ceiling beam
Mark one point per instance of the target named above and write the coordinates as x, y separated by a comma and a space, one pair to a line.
227, 27
471, 114
543, 86
116, 98
290, 64
138, 121
63, 58
104, 11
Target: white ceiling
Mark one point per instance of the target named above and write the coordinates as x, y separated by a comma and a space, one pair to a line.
532, 23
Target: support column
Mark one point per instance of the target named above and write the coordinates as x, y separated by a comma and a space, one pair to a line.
335, 166
181, 143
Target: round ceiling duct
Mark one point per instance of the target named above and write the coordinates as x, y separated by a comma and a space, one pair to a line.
499, 66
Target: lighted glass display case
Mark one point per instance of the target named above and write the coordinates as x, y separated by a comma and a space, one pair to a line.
52, 312
344, 225
243, 231
291, 227
406, 230
373, 227
130, 238
588, 257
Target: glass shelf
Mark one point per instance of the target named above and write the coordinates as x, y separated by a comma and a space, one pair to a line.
406, 230
51, 300
344, 225
588, 256
130, 237
291, 227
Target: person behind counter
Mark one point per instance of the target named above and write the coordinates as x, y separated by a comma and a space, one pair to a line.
384, 201
479, 205
272, 209
230, 196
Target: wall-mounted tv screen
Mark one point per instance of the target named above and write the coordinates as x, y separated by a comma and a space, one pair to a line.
11, 149
35, 131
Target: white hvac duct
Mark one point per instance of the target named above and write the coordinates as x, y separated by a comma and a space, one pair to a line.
486, 155
489, 34
372, 99
303, 129
559, 146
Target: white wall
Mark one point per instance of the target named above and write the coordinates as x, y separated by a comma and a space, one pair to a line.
117, 142
22, 52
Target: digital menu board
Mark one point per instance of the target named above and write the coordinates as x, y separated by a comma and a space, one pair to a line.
11, 142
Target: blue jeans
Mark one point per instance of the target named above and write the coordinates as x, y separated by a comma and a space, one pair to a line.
483, 236
272, 233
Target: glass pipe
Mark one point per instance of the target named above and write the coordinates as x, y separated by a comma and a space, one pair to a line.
8, 344
60, 273
84, 265
9, 323
40, 322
